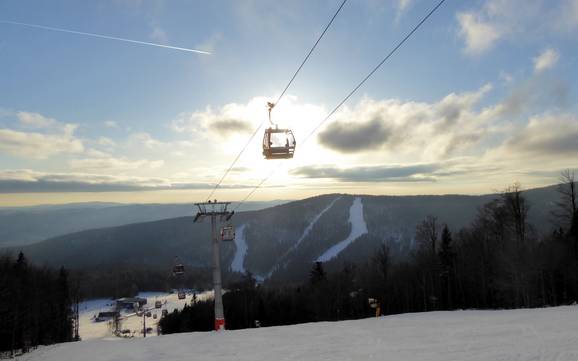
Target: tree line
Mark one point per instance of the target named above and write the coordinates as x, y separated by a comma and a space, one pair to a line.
127, 280
36, 305
498, 261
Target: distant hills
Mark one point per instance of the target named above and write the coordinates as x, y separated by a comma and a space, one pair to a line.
278, 243
25, 225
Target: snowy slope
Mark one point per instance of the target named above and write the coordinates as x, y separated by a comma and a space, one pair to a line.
237, 265
358, 228
282, 261
89, 329
310, 227
537, 334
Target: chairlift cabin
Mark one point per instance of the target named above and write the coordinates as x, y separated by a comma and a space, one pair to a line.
178, 269
228, 233
278, 143
182, 295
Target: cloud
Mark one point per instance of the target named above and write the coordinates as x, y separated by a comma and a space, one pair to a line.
110, 124
434, 129
107, 163
546, 60
228, 126
401, 7
230, 119
28, 181
158, 35
38, 145
403, 4
544, 136
35, 120
105, 142
513, 20
478, 35
396, 173
350, 137
145, 139
49, 138
534, 93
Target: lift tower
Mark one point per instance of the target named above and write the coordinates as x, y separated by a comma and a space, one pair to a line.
218, 212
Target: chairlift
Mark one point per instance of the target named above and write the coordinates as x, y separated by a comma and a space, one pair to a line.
228, 233
178, 270
182, 295
278, 143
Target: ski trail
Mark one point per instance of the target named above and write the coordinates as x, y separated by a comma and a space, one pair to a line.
308, 229
358, 228
241, 250
303, 236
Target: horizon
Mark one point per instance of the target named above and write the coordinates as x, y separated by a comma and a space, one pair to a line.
149, 102
282, 201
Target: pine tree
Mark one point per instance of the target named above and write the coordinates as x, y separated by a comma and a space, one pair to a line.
317, 274
447, 260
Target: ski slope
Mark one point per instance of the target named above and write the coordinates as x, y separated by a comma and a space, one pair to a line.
281, 262
238, 263
90, 330
547, 334
358, 228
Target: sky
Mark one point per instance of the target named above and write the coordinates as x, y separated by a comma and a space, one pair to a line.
482, 96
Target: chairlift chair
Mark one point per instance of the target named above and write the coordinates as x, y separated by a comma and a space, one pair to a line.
178, 269
182, 295
228, 233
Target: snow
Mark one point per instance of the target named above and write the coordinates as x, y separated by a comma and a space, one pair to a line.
507, 335
358, 228
90, 330
294, 247
240, 251
310, 227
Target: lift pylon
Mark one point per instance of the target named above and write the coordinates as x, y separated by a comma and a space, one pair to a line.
217, 212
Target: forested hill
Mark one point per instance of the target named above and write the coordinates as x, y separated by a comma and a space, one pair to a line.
26, 225
281, 242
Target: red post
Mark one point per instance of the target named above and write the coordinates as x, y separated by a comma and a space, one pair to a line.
219, 324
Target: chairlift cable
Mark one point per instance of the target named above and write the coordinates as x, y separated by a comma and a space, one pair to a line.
273, 104
310, 52
393, 51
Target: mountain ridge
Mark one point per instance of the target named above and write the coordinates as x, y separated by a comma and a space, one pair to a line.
280, 241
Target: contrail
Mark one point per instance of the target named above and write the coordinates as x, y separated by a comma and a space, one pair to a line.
105, 37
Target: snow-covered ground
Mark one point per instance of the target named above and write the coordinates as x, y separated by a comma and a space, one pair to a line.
358, 228
531, 334
90, 330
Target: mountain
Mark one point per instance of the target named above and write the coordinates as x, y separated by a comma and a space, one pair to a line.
279, 243
25, 225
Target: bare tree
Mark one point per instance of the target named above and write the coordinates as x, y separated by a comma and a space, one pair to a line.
426, 233
567, 211
567, 208
517, 209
